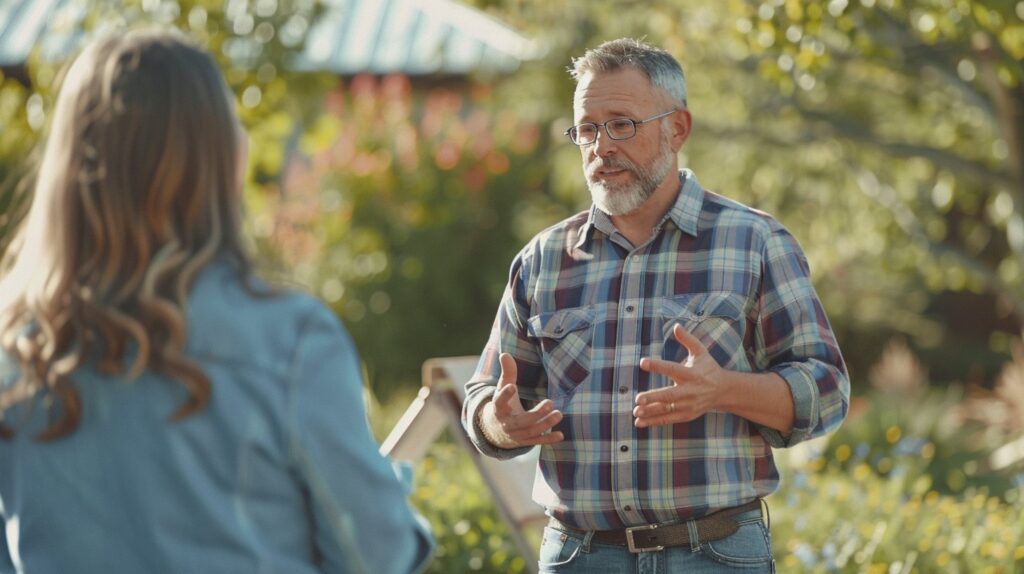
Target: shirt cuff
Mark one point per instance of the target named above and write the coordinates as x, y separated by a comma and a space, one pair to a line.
477, 436
804, 390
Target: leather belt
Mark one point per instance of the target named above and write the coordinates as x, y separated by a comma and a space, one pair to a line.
656, 537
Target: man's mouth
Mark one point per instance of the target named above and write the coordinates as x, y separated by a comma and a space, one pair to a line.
609, 172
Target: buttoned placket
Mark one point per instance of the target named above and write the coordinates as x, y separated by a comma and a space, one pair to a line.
627, 361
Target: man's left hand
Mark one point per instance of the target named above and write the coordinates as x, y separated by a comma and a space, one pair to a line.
697, 384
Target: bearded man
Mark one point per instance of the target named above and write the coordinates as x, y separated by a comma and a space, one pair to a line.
657, 346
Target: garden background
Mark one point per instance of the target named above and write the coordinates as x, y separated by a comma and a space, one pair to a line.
888, 135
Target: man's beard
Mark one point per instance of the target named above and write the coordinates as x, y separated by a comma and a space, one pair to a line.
623, 198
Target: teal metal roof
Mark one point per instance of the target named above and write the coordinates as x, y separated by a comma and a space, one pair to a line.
413, 37
416, 37
53, 25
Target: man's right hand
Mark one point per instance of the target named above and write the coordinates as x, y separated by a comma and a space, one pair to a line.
504, 421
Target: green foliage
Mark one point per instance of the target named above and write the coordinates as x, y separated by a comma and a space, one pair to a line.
450, 493
406, 215
471, 536
921, 103
857, 521
921, 435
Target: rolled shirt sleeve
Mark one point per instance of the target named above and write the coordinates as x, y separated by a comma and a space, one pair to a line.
361, 517
794, 340
508, 335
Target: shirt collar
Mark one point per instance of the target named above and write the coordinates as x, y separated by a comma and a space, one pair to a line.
685, 212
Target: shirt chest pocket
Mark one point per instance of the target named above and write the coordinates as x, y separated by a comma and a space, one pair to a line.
716, 319
565, 338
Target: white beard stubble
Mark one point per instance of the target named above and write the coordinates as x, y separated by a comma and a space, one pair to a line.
626, 197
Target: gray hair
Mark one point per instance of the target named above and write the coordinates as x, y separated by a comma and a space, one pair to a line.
658, 65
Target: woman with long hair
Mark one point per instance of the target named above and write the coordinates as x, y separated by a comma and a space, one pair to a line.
162, 409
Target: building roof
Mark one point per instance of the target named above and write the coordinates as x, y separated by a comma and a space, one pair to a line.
52, 25
415, 37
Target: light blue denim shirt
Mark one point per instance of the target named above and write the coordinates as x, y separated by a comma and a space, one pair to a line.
279, 473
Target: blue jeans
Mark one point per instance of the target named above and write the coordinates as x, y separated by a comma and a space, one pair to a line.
748, 550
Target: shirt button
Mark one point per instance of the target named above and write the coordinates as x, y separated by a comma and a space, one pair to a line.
624, 448
627, 508
623, 389
629, 308
636, 259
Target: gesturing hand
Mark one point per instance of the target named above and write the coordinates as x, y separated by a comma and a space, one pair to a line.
695, 390
504, 421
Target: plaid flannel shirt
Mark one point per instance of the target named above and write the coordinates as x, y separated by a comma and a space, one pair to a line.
583, 306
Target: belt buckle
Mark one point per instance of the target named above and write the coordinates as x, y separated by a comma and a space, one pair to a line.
632, 545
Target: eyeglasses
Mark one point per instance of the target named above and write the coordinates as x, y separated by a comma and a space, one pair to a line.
617, 129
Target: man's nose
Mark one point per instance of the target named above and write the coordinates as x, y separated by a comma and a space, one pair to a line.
603, 144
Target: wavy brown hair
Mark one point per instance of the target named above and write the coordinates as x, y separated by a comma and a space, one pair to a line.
136, 191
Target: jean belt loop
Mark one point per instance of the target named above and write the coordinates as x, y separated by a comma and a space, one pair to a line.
586, 541
691, 527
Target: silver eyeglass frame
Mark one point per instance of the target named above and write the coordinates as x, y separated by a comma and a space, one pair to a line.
597, 127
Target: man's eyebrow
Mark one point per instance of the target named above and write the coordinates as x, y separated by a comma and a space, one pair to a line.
614, 114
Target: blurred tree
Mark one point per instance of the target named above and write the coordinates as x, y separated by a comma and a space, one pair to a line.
404, 213
925, 101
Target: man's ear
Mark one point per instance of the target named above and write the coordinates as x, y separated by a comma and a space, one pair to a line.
682, 122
